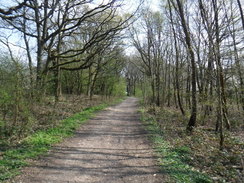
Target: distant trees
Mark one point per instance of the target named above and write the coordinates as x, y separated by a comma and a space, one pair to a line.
150, 50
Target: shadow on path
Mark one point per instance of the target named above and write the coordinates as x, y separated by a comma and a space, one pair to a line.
112, 147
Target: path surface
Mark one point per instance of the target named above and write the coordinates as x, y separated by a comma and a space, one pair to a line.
112, 147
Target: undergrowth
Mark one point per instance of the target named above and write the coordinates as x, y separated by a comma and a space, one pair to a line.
13, 159
173, 160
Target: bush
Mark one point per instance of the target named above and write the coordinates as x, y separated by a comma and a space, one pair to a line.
13, 102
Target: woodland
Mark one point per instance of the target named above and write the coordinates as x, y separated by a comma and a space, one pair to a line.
183, 59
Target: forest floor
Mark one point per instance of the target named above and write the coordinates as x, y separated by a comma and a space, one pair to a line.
198, 152
111, 147
114, 146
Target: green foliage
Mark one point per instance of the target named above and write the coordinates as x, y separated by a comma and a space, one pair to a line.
14, 111
139, 93
7, 82
119, 88
5, 98
174, 161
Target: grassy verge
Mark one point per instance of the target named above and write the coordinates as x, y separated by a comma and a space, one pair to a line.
173, 161
14, 158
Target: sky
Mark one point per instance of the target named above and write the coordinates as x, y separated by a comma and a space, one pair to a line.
131, 5
154, 5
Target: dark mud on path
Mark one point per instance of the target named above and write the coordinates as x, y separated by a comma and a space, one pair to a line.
112, 147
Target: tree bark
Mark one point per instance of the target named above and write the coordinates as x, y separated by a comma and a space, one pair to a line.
192, 121
176, 63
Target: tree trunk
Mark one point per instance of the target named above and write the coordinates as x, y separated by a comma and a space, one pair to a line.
158, 88
94, 79
237, 58
169, 90
219, 65
176, 64
192, 121
88, 91
153, 89
29, 58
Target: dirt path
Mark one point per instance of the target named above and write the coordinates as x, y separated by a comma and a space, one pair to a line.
112, 147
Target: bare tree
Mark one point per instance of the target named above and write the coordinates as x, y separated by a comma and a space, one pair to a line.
176, 61
179, 7
51, 23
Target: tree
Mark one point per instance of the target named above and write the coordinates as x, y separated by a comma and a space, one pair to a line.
51, 23
151, 50
176, 61
192, 121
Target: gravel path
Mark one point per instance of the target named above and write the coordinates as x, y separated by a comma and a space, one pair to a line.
112, 147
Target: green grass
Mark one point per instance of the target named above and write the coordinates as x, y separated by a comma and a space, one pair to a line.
173, 161
13, 159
